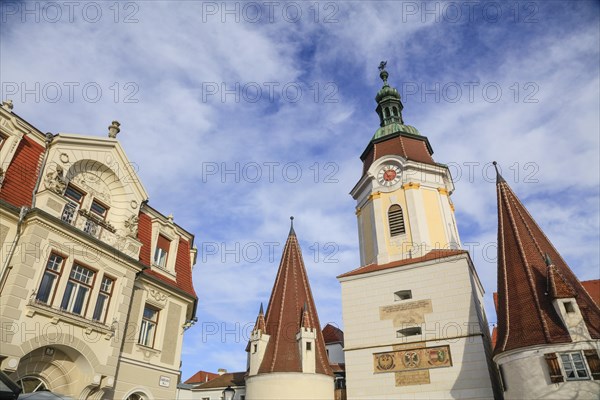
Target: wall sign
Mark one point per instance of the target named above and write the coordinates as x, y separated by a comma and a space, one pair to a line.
164, 381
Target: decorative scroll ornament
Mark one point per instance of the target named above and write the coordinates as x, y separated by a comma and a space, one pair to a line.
131, 226
55, 180
158, 296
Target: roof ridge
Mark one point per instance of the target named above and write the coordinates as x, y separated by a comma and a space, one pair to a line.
526, 265
524, 283
285, 313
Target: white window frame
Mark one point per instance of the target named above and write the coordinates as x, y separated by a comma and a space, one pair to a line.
146, 325
160, 257
572, 366
79, 280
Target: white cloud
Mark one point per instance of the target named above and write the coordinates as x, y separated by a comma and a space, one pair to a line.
176, 128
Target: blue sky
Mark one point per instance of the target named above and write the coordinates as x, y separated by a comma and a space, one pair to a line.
238, 117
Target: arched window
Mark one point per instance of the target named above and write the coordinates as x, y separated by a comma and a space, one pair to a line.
136, 396
387, 112
396, 220
395, 111
30, 384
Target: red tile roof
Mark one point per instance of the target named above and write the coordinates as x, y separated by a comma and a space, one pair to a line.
593, 288
559, 287
434, 254
183, 266
145, 236
409, 147
201, 377
222, 381
331, 334
291, 293
526, 314
22, 173
340, 367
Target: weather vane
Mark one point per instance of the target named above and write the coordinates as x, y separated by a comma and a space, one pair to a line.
383, 74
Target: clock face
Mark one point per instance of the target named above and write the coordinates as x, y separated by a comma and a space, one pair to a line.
389, 175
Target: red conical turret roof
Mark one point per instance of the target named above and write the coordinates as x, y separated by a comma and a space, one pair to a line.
291, 307
527, 286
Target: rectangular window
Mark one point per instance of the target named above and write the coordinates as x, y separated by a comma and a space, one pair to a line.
50, 279
103, 299
76, 197
76, 294
162, 251
148, 326
569, 307
99, 209
574, 366
408, 332
403, 295
308, 346
74, 194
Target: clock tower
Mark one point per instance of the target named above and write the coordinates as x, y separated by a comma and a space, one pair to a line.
403, 197
414, 322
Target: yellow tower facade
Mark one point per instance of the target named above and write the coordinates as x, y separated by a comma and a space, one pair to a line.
403, 197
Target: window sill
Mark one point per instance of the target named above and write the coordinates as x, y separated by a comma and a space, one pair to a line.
58, 315
148, 352
164, 270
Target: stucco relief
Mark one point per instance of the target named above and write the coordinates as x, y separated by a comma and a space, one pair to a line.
158, 296
93, 184
405, 313
55, 180
131, 226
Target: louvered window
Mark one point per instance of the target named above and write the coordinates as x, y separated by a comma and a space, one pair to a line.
396, 220
554, 368
593, 362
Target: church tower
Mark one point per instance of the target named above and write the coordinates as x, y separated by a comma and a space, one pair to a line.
548, 334
287, 359
403, 201
413, 311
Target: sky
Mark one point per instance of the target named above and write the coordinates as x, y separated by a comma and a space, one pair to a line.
238, 115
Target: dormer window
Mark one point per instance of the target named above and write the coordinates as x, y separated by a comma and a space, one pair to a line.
162, 251
569, 308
